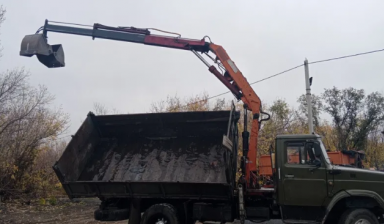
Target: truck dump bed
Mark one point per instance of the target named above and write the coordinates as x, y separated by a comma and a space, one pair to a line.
151, 155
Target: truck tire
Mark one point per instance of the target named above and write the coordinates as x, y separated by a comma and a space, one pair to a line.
159, 213
357, 216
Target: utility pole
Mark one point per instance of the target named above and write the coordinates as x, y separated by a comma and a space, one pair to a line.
308, 84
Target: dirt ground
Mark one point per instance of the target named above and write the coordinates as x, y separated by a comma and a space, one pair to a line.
65, 211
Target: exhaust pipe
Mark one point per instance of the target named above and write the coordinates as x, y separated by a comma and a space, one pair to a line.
51, 56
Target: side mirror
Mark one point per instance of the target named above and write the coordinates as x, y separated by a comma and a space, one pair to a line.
315, 152
318, 152
317, 163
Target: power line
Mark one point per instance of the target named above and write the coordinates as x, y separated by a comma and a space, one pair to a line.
280, 73
189, 104
277, 74
347, 56
285, 71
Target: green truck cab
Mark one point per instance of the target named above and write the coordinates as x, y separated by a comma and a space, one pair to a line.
316, 190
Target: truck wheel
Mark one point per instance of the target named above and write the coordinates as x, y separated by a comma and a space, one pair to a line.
358, 216
160, 214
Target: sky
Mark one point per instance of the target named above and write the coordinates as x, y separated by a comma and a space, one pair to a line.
262, 37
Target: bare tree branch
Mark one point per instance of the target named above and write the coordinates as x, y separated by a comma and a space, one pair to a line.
26, 123
2, 18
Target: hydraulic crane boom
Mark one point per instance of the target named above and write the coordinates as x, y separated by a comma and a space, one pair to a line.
53, 56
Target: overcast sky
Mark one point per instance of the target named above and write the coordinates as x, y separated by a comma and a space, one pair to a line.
261, 37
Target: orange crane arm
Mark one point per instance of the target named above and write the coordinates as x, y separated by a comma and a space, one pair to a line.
252, 102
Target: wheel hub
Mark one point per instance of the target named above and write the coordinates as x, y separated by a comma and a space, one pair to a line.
362, 221
162, 221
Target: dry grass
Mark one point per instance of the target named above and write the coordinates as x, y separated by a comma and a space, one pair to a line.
65, 211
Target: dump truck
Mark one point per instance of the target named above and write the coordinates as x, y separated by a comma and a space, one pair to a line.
182, 167
170, 160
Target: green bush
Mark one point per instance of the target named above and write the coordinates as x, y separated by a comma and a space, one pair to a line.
42, 201
52, 200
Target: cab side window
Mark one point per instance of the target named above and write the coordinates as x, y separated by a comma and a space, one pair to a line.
296, 154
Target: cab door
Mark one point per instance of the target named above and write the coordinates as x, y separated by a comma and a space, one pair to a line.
303, 185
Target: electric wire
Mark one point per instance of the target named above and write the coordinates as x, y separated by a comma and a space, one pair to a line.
277, 74
347, 56
288, 70
209, 98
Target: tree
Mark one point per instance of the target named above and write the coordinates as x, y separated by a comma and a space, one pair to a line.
27, 123
2, 18
375, 149
101, 109
171, 104
281, 115
42, 181
369, 121
284, 120
317, 107
354, 115
329, 135
343, 106
198, 102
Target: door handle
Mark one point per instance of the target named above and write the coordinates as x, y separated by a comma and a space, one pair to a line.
289, 176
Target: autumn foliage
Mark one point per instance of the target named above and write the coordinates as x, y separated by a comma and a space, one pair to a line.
356, 119
28, 132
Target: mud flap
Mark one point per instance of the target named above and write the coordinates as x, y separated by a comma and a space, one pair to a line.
51, 56
134, 214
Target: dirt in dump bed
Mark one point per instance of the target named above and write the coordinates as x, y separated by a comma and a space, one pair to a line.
179, 159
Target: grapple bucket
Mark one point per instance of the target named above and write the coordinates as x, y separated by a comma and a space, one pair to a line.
51, 56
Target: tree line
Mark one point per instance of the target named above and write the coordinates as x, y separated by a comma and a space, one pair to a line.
356, 119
